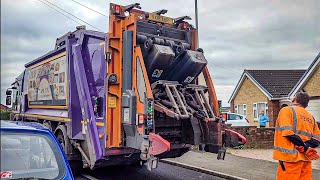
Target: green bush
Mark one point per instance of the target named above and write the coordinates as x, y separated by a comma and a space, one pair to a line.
4, 115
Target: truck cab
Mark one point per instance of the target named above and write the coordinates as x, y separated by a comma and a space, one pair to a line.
13, 94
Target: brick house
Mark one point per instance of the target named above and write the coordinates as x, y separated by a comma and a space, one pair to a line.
310, 83
266, 90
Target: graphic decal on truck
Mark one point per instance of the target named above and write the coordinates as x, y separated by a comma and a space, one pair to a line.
47, 84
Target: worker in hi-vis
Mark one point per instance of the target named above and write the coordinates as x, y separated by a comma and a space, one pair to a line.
296, 137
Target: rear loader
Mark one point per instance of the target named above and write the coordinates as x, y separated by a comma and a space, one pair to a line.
139, 93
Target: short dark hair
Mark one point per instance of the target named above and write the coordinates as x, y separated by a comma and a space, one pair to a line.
302, 98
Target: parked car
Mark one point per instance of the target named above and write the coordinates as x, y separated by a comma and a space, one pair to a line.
235, 119
30, 151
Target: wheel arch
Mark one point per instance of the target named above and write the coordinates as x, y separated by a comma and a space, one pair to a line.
61, 128
71, 152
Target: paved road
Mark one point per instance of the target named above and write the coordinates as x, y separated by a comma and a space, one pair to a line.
164, 171
234, 165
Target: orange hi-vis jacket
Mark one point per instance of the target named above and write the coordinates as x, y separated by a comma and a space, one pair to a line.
293, 120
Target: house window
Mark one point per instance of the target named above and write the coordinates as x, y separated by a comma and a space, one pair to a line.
266, 111
236, 109
257, 107
242, 109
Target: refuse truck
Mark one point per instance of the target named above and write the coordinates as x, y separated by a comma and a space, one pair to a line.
134, 95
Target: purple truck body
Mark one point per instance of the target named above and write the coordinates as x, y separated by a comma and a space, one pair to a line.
86, 78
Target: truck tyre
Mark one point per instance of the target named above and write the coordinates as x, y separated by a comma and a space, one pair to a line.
75, 165
11, 117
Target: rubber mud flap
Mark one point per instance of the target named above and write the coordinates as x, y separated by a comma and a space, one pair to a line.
158, 144
234, 138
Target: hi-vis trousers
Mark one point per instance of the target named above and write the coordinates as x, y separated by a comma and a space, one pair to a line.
301, 170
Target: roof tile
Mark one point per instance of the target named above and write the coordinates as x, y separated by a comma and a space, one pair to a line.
278, 83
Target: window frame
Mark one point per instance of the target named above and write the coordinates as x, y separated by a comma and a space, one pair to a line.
255, 108
244, 107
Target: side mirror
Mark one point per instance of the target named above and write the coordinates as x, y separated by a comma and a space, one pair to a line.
8, 100
8, 92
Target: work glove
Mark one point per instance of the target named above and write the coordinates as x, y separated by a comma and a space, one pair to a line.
312, 154
300, 148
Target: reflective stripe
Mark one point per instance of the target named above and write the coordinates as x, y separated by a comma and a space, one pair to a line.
294, 119
295, 124
304, 133
316, 136
291, 128
287, 151
283, 128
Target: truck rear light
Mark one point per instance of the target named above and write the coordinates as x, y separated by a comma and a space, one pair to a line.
185, 25
118, 9
141, 119
140, 122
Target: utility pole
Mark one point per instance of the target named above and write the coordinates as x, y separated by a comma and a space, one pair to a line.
201, 146
196, 13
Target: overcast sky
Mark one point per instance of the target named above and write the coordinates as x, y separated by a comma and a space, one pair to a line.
235, 35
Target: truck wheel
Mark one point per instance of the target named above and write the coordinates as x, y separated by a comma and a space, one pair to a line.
61, 141
75, 165
11, 118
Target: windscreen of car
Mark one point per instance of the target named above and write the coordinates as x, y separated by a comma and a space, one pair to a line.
234, 117
30, 155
